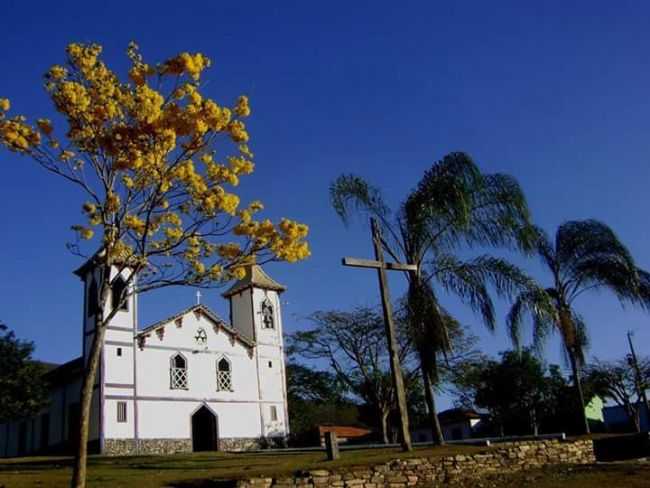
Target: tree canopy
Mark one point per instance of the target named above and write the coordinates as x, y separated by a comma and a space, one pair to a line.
158, 162
23, 390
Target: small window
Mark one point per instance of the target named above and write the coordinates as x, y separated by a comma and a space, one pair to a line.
274, 413
121, 412
119, 351
224, 375
118, 292
270, 364
178, 372
268, 321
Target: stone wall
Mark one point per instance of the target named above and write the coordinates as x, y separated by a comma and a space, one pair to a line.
129, 447
438, 471
240, 443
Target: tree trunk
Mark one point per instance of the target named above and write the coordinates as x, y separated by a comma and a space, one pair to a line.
384, 425
634, 415
533, 421
90, 373
578, 385
434, 422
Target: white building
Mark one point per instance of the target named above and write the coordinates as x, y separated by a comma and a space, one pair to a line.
189, 382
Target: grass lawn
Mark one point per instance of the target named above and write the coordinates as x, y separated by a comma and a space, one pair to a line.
204, 470
191, 470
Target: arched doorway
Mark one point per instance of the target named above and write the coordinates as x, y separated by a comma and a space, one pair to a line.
204, 430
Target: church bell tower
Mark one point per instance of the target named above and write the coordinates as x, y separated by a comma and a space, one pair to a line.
255, 313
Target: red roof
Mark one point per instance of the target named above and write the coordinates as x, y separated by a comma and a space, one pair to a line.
454, 415
346, 431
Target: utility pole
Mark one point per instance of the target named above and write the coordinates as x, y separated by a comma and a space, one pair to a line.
393, 348
640, 384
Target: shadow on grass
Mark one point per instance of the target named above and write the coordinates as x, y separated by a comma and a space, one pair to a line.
617, 448
204, 484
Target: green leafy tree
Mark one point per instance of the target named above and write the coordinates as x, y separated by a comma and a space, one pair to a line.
354, 346
513, 390
618, 381
23, 392
586, 255
316, 397
454, 207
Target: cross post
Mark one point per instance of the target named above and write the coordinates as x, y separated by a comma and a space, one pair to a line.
393, 348
198, 297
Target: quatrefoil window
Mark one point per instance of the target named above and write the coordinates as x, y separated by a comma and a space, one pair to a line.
201, 337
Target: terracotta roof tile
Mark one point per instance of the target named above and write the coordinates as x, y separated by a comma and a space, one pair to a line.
255, 276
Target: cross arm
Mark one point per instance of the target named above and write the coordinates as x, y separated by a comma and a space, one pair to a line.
369, 263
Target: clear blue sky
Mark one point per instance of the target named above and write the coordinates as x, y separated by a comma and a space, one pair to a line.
554, 94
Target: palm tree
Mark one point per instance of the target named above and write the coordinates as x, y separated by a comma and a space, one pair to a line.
454, 206
586, 255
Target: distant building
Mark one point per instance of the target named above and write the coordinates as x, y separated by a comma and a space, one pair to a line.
456, 424
594, 409
344, 433
617, 420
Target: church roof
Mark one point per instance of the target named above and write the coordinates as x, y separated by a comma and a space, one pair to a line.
255, 276
97, 259
66, 372
209, 314
91, 262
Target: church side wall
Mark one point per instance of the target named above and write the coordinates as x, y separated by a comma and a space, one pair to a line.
63, 401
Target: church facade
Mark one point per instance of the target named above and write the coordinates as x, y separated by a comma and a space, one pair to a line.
190, 382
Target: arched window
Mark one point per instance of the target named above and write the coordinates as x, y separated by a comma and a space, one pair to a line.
268, 322
178, 372
93, 299
224, 375
118, 289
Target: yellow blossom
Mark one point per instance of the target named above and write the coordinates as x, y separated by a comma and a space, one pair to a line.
242, 107
45, 125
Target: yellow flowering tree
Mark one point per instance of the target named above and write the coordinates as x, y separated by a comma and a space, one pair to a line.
159, 163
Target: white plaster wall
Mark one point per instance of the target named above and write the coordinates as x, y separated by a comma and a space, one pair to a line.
172, 419
153, 363
118, 369
118, 430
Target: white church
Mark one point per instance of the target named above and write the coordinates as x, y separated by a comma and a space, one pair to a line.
190, 382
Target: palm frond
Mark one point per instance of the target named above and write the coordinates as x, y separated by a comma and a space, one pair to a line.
350, 193
544, 248
470, 281
590, 255
430, 326
537, 303
454, 203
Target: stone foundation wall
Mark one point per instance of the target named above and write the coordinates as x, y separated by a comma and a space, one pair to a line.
129, 447
439, 471
240, 443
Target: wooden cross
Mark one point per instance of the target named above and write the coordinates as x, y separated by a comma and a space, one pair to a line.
393, 349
